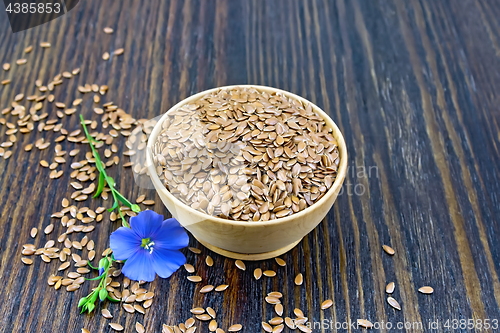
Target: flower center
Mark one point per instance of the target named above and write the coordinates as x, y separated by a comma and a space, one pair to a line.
147, 244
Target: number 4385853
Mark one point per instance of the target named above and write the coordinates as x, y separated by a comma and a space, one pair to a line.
477, 324
41, 8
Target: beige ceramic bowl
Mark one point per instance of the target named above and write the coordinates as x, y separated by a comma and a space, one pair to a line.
249, 240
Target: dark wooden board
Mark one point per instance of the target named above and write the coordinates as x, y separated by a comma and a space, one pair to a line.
413, 85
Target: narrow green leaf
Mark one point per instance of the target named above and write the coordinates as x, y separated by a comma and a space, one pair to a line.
100, 186
115, 206
123, 199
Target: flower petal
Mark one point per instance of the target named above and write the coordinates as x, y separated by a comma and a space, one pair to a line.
124, 242
146, 223
166, 262
139, 267
171, 236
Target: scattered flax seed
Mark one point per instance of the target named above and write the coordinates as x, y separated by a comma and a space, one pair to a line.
105, 56
426, 290
116, 327
212, 326
6, 66
269, 273
167, 329
148, 202
272, 300
129, 308
390, 288
290, 323
195, 250
204, 317
48, 229
108, 30
222, 287
235, 328
190, 322
21, 61
197, 311
7, 154
392, 302
84, 330
72, 287
279, 328
266, 327
139, 328
189, 268
139, 309
191, 329
106, 314
194, 278
119, 51
34, 232
28, 49
45, 45
299, 279
240, 264
276, 294
364, 323
5, 82
257, 273
326, 304
206, 289
26, 261
278, 308
389, 250
304, 328
298, 313
64, 266
28, 147
280, 261
209, 261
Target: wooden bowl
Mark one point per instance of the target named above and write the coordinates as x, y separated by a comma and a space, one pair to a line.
249, 240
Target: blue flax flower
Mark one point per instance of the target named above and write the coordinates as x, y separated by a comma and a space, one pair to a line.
149, 246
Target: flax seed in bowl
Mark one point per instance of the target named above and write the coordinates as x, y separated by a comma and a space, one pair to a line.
248, 170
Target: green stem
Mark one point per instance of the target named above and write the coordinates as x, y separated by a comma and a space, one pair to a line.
108, 180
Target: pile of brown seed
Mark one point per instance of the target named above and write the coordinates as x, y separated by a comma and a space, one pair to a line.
243, 154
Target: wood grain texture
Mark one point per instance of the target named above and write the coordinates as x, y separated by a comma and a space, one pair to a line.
413, 85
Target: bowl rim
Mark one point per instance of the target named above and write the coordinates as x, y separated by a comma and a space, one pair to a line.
341, 171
